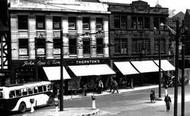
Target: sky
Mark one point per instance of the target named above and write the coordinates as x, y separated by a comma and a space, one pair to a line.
177, 5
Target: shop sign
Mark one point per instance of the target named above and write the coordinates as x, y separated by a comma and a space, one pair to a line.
40, 62
88, 61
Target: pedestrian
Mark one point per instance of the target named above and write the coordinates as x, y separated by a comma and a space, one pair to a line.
152, 96
115, 86
168, 101
84, 88
100, 86
111, 85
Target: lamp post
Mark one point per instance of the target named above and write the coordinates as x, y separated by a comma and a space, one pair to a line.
159, 53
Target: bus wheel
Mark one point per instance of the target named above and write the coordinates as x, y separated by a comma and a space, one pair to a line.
22, 107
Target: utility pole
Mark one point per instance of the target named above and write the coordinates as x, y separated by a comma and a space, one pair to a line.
61, 73
159, 65
182, 83
176, 68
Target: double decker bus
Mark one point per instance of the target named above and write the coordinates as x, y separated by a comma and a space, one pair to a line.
20, 97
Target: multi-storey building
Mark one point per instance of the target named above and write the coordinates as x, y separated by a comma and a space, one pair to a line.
135, 32
39, 26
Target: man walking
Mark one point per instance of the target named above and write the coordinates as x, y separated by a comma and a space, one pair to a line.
168, 102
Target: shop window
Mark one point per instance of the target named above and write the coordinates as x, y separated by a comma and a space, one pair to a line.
86, 23
22, 22
86, 45
121, 45
99, 45
40, 22
99, 23
23, 47
56, 22
30, 91
72, 23
72, 46
24, 92
141, 46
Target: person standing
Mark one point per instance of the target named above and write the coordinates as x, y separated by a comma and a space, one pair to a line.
168, 101
100, 86
115, 86
152, 96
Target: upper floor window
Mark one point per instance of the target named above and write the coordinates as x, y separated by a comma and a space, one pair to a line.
72, 23
86, 23
40, 47
120, 21
134, 22
140, 23
147, 22
99, 45
99, 23
162, 45
22, 22
141, 46
23, 47
121, 45
72, 46
40, 22
86, 45
56, 22
156, 22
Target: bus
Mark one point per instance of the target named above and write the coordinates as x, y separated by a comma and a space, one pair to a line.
20, 97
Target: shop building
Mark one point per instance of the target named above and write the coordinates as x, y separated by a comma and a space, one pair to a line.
136, 35
37, 29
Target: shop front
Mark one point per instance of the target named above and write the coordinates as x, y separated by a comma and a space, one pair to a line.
141, 72
90, 72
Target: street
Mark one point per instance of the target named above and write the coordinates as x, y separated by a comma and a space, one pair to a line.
134, 103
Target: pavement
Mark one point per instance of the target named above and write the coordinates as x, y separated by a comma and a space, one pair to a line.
80, 111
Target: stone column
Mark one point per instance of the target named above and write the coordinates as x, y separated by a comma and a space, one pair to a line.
49, 37
32, 35
106, 38
65, 37
14, 37
93, 38
79, 39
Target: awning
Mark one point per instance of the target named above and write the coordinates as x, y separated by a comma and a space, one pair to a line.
91, 70
145, 66
53, 73
126, 68
165, 65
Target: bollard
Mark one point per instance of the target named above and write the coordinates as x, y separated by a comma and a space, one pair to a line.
56, 104
32, 105
93, 102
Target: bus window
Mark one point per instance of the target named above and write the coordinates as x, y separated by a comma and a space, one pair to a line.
50, 87
12, 94
35, 90
18, 93
40, 89
30, 91
44, 88
24, 92
1, 94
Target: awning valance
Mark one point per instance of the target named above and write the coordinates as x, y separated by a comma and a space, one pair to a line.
126, 68
91, 70
165, 65
53, 73
145, 66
